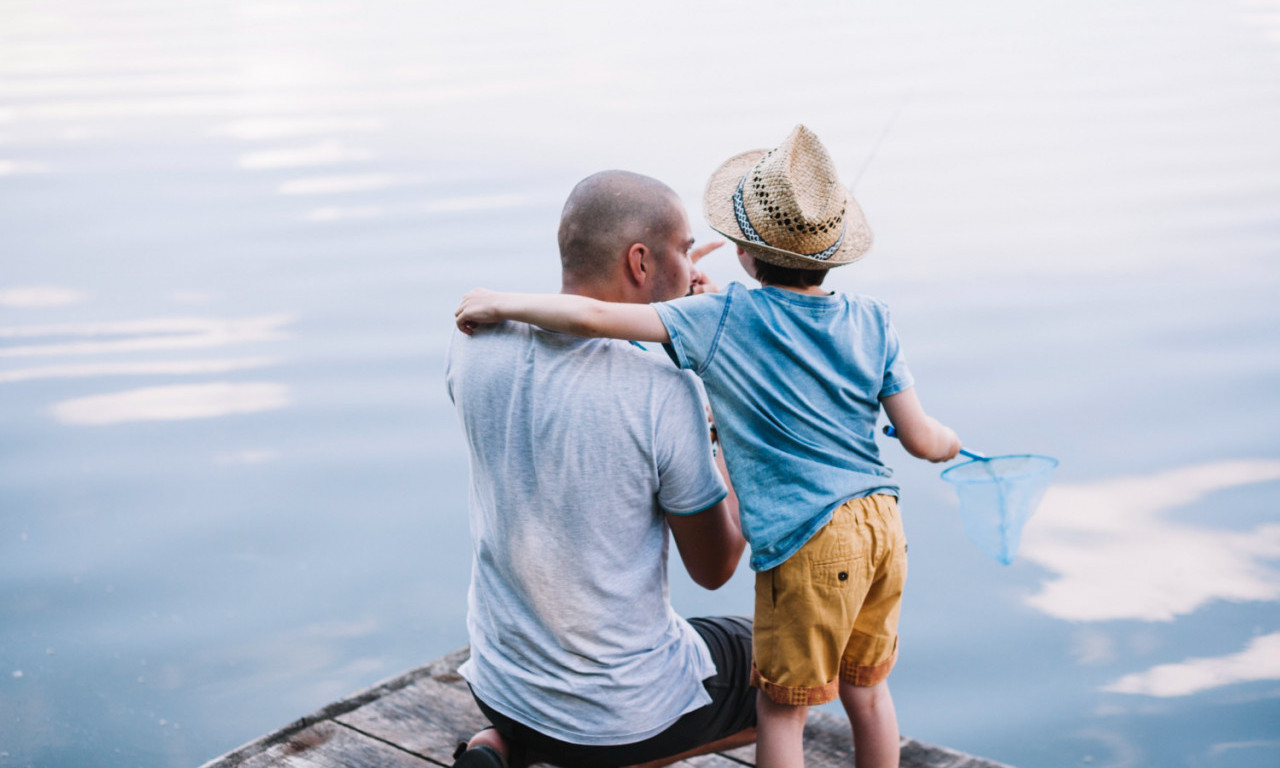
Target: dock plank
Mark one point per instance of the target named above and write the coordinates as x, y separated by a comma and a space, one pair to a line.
327, 744
710, 761
428, 717
415, 720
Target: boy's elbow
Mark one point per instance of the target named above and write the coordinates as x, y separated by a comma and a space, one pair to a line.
590, 322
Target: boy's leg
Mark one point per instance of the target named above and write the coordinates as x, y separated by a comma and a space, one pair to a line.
876, 741
779, 734
805, 612
873, 646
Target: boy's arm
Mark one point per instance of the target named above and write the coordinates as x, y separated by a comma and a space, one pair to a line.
566, 313
920, 434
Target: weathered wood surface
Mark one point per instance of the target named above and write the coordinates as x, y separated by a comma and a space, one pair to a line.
415, 720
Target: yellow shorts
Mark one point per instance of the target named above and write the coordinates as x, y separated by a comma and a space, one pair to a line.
830, 612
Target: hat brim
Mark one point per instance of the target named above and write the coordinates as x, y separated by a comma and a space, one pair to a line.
717, 207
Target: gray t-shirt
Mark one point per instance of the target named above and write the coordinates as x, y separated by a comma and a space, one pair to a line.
577, 448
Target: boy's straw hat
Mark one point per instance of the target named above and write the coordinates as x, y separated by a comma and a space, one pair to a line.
787, 205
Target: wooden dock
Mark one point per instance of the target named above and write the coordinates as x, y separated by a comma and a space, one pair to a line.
416, 719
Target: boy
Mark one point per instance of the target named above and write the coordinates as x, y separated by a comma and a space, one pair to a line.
796, 377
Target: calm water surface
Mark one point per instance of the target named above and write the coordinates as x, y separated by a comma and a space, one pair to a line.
232, 234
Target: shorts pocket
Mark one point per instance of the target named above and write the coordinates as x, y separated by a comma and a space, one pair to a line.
837, 574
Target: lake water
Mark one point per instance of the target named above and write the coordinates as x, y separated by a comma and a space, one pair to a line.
232, 234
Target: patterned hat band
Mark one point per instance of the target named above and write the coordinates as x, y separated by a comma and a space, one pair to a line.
750, 233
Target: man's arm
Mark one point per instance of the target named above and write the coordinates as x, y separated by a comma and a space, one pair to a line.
566, 313
921, 435
710, 542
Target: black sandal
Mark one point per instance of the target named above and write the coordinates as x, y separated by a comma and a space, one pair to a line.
479, 756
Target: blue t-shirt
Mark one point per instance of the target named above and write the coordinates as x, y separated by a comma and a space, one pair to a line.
795, 382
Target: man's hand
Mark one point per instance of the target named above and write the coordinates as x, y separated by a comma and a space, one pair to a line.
696, 254
478, 307
701, 283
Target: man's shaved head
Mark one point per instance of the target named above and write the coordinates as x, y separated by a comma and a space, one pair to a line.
605, 214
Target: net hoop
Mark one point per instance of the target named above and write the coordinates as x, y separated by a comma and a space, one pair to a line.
963, 474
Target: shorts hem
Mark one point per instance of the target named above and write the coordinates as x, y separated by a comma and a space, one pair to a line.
867, 675
795, 695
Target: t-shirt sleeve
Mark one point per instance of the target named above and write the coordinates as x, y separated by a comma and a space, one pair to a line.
694, 324
688, 480
897, 377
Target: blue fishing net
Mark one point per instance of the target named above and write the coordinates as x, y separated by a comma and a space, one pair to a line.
997, 495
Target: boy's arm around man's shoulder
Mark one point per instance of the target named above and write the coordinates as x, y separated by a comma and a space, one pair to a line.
710, 542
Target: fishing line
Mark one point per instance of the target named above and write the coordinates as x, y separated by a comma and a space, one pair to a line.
875, 148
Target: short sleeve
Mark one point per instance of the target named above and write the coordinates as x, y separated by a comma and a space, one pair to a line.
694, 324
897, 377
688, 480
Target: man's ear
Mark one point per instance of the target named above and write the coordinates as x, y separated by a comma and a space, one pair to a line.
638, 265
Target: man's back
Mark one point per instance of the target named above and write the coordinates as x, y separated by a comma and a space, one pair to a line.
578, 447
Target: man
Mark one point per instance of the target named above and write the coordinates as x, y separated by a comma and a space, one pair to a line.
584, 452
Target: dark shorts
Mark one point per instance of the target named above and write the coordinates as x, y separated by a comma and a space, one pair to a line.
732, 710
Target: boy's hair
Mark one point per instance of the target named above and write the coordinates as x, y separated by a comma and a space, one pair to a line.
788, 276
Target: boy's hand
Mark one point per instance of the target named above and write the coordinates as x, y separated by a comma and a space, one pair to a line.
478, 307
952, 442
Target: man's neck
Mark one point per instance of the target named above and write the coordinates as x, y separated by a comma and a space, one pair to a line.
600, 292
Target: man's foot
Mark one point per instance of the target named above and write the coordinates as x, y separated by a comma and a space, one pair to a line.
479, 757
487, 749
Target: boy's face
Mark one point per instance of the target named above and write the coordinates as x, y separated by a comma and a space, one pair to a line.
673, 274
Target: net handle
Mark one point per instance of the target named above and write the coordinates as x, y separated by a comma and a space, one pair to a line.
891, 432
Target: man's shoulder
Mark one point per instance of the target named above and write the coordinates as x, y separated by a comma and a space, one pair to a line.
653, 363
485, 336
502, 344
466, 350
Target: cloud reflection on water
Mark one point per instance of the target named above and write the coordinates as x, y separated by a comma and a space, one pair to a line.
147, 335
324, 153
173, 403
1113, 554
330, 185
16, 167
460, 204
1259, 661
248, 456
39, 296
268, 128
158, 368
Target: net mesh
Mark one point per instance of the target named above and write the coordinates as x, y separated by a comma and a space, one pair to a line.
997, 495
